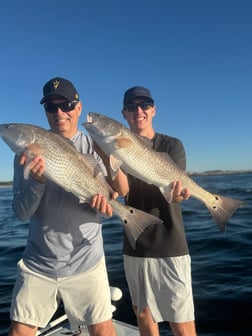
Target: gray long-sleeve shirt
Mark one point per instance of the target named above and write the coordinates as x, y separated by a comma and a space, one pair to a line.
65, 235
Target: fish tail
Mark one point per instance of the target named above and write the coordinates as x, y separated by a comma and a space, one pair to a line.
222, 209
136, 221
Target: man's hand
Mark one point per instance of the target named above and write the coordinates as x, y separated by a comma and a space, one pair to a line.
179, 194
101, 204
36, 166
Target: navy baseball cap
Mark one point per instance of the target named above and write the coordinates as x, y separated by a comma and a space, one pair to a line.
137, 92
59, 86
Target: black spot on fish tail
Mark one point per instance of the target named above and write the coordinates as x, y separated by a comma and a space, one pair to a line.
125, 220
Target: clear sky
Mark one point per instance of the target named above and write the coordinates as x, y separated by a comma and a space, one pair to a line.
194, 55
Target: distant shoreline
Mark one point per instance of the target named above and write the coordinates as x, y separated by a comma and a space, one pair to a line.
219, 172
205, 173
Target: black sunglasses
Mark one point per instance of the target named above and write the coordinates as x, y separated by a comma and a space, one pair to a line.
65, 106
132, 107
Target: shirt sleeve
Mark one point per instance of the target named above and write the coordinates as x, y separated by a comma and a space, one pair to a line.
177, 153
173, 147
26, 193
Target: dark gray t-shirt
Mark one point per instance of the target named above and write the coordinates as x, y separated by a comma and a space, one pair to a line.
158, 240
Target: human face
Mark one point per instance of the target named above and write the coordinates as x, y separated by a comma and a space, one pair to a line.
140, 117
64, 123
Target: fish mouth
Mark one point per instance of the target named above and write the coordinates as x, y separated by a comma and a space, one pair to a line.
92, 123
89, 118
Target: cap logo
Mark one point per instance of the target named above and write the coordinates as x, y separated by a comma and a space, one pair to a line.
56, 84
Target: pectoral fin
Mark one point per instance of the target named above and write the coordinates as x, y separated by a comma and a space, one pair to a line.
27, 169
115, 165
30, 151
167, 192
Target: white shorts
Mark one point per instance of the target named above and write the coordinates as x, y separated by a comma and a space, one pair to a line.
162, 284
86, 297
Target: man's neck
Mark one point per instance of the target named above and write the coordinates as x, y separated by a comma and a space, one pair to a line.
66, 134
147, 133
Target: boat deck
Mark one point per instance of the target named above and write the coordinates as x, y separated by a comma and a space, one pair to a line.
60, 327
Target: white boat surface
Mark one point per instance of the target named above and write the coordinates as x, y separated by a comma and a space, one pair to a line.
60, 326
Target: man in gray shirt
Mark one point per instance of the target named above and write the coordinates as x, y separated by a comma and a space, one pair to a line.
64, 256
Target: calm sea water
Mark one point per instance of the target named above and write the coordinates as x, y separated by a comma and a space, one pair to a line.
221, 263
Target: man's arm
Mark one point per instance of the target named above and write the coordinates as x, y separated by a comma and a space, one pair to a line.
120, 182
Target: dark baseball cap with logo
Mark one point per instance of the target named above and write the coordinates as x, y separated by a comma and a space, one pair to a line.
59, 86
137, 92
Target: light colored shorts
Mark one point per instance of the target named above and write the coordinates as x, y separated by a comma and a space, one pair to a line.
162, 284
86, 297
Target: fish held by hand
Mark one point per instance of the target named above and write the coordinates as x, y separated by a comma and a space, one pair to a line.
132, 153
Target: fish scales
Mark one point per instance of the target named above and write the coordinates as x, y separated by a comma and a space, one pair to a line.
75, 172
135, 156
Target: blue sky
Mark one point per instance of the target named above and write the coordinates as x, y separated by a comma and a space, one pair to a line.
194, 56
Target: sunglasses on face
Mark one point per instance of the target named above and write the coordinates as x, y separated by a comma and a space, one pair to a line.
132, 107
65, 106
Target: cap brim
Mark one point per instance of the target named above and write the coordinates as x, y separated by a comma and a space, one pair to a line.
43, 100
143, 97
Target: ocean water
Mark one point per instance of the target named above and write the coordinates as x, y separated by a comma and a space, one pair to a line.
221, 262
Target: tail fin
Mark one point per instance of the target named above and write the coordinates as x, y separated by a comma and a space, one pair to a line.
222, 209
135, 221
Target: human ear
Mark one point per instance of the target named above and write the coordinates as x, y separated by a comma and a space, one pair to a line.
79, 108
